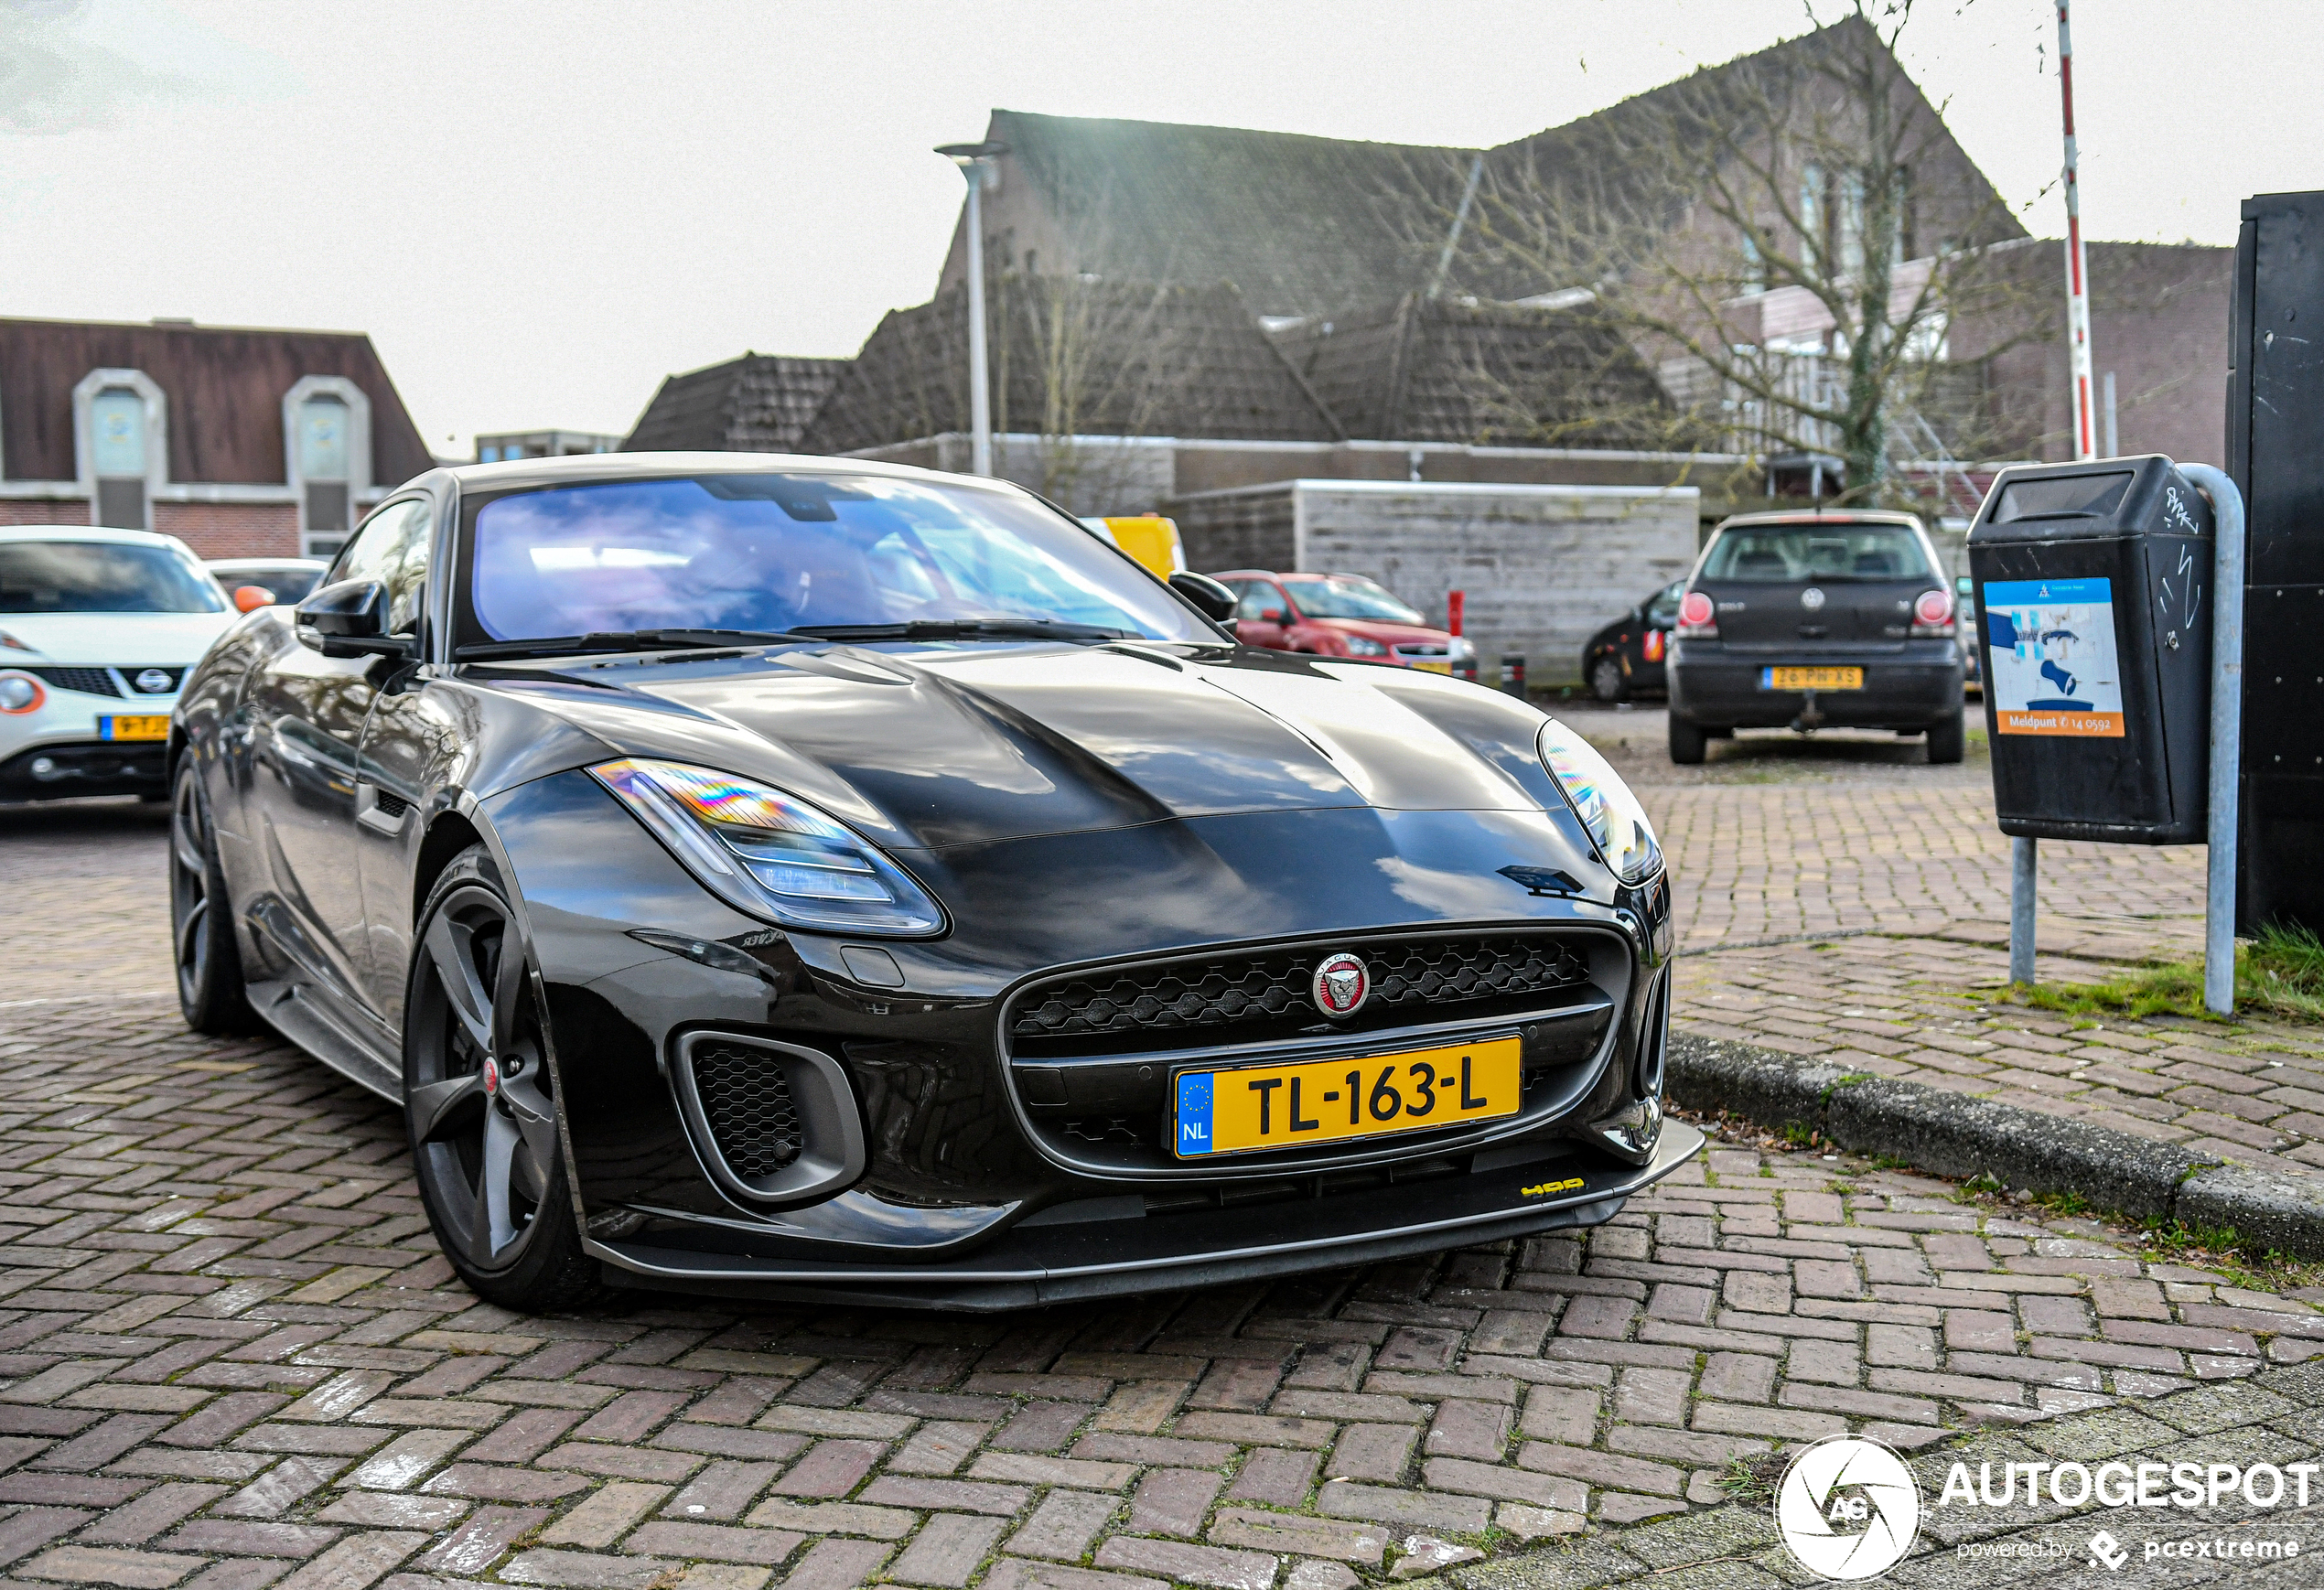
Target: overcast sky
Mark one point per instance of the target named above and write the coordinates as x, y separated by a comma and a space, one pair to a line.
538, 211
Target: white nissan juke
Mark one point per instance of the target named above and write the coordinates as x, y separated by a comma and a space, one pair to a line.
97, 631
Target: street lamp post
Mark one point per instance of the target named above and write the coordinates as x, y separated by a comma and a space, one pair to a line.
970, 158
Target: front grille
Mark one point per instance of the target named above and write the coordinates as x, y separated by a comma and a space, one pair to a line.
1245, 998
749, 1105
88, 681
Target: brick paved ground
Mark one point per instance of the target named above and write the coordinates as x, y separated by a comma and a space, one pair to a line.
1885, 886
233, 1357
230, 1358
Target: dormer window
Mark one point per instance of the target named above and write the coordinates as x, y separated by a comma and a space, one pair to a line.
322, 468
117, 450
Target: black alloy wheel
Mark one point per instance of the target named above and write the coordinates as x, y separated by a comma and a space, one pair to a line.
210, 994
479, 1098
1605, 680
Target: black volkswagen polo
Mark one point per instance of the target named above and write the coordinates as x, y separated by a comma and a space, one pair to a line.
1816, 620
809, 878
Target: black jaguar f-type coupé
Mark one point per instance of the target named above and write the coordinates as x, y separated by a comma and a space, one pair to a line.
811, 879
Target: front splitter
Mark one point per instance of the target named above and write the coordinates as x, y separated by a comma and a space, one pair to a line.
1033, 1264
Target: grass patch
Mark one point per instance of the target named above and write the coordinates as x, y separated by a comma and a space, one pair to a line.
2226, 1251
2281, 972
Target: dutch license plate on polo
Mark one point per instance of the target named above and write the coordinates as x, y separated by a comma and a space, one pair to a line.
1434, 667
1810, 679
1260, 1107
134, 727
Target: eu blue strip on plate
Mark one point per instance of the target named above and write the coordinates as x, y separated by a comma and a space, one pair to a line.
1194, 1112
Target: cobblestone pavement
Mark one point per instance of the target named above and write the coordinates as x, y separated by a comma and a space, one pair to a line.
232, 1357
2270, 1418
1900, 1007
1846, 902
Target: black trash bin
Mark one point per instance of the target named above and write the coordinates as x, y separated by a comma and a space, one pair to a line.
2094, 591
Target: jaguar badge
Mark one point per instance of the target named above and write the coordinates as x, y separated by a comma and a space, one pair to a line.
1342, 985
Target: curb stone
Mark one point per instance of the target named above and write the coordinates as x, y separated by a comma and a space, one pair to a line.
1956, 1135
1736, 1546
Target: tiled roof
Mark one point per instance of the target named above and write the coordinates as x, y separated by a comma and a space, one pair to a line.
1460, 371
758, 404
1072, 357
1298, 225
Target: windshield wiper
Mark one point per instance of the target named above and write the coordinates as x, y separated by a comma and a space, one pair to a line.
627, 640
968, 629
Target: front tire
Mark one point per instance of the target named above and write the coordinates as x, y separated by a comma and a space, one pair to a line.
211, 995
1688, 744
1606, 680
480, 1104
1948, 738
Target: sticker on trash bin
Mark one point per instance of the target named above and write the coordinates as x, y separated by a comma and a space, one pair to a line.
2049, 657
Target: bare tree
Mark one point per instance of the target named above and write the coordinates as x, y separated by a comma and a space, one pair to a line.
1790, 240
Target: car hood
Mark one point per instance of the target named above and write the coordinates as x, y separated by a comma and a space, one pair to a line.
929, 748
1381, 630
117, 639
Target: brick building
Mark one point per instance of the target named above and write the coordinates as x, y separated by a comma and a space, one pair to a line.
242, 442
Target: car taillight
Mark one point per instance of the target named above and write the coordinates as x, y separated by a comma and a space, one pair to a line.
1697, 618
1933, 614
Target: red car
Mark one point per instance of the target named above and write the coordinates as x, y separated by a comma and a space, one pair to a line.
1338, 616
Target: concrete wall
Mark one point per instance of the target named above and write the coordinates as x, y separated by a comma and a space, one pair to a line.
1543, 565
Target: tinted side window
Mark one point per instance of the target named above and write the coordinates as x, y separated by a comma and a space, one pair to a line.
1258, 597
392, 548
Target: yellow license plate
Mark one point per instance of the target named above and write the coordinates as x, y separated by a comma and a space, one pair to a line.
1810, 679
1434, 667
142, 726
1260, 1107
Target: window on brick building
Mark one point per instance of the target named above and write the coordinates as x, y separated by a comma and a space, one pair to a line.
117, 456
323, 473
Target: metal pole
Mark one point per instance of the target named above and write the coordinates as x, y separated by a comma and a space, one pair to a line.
2227, 733
980, 397
2022, 872
2077, 269
2024, 860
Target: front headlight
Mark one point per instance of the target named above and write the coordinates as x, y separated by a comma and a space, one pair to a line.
1463, 648
1616, 822
771, 854
1360, 646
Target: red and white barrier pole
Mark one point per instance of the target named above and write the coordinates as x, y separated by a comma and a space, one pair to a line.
2077, 263
2024, 856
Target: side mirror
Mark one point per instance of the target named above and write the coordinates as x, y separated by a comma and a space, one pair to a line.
1270, 615
250, 598
1211, 599
348, 619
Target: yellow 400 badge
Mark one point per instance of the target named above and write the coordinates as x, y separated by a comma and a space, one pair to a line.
1571, 1184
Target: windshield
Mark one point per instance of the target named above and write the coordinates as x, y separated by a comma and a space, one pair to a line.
771, 552
97, 576
1344, 598
1779, 554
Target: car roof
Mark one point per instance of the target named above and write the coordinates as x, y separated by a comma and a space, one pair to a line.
90, 532
1838, 516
